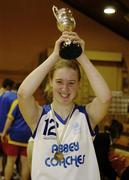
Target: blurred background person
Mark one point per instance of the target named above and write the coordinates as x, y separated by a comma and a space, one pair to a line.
7, 85
18, 133
102, 143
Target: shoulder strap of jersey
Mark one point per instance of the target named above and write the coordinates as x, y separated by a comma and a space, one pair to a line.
45, 108
83, 109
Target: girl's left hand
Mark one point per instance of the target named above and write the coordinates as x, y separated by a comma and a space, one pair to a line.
73, 36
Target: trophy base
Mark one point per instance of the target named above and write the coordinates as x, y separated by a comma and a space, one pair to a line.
70, 51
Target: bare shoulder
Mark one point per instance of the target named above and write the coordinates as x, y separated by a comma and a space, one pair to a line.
97, 110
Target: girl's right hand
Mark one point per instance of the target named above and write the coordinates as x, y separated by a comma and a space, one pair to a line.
64, 37
67, 35
58, 44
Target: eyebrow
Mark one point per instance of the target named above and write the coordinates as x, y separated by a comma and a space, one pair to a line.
73, 80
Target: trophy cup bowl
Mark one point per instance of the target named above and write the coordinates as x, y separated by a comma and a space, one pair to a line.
66, 22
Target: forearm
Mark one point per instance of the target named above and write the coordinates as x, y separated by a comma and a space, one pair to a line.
96, 80
7, 125
35, 78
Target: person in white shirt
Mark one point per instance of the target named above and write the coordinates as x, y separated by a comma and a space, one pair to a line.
63, 147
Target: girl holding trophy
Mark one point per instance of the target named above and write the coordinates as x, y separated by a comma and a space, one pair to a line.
62, 130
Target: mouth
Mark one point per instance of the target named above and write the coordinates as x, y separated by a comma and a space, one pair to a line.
64, 95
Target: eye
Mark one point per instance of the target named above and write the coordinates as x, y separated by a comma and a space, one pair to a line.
71, 82
58, 81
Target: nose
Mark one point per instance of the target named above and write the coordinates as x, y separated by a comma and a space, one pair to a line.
65, 87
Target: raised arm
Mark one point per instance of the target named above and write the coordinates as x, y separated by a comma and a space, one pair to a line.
98, 108
29, 108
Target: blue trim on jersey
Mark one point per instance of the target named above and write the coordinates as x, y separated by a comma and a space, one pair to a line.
63, 121
83, 110
47, 108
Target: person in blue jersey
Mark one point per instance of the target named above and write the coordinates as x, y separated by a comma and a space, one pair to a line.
63, 144
6, 98
18, 133
5, 103
7, 85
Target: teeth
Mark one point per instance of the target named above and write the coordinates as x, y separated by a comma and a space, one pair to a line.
64, 95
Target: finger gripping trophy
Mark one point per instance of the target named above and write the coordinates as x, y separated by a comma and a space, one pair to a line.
66, 22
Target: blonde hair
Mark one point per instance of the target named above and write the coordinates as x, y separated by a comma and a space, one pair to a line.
73, 64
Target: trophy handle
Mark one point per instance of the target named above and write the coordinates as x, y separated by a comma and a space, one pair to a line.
55, 11
74, 23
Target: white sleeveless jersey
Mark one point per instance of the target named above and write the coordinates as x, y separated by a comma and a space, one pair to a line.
79, 161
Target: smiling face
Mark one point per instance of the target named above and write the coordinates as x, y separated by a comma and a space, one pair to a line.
65, 84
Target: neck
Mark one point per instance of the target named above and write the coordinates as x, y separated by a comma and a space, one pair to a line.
62, 110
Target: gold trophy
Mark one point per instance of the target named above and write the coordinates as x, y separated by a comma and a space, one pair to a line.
66, 22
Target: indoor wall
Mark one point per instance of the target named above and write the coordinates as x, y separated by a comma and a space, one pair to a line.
28, 28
